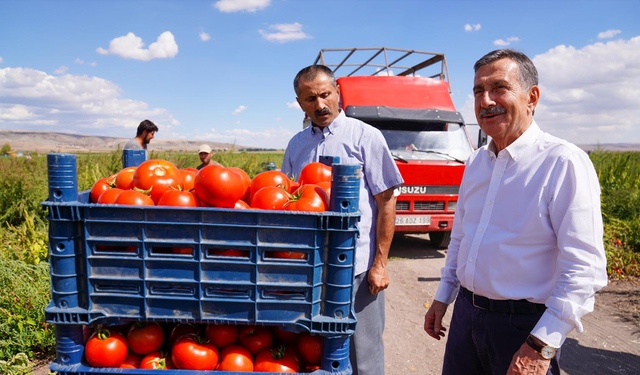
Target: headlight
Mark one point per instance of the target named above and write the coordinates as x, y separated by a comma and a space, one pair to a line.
452, 205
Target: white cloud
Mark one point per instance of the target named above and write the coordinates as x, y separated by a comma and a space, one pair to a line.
1, 61
34, 100
239, 109
61, 70
608, 34
294, 104
385, 73
204, 36
78, 61
131, 46
284, 32
470, 27
504, 43
93, 63
230, 6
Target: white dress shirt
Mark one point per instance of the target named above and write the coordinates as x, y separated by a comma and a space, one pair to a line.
528, 226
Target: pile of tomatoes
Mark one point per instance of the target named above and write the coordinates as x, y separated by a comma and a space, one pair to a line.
161, 183
203, 347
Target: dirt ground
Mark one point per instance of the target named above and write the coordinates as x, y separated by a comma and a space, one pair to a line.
610, 343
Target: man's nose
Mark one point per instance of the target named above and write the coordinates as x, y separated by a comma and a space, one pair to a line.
486, 100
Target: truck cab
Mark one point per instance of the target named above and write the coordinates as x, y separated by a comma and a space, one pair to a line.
425, 134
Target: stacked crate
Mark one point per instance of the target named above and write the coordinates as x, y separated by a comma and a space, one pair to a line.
112, 264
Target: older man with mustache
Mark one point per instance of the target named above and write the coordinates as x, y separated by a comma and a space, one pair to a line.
526, 254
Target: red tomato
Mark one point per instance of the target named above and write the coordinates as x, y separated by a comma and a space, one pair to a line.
145, 338
134, 198
284, 337
270, 198
124, 179
272, 360
106, 349
182, 250
178, 198
131, 361
235, 358
219, 186
192, 352
109, 196
313, 173
241, 205
188, 178
157, 176
286, 254
255, 338
247, 183
308, 198
98, 188
181, 330
157, 361
112, 179
222, 335
310, 348
230, 253
269, 178
326, 186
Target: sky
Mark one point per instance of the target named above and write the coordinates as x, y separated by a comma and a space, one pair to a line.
222, 70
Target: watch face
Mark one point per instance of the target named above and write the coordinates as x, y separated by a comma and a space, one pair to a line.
548, 352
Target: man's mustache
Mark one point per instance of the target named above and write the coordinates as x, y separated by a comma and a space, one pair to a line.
497, 110
323, 111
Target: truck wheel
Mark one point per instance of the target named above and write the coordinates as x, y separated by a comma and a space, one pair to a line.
440, 239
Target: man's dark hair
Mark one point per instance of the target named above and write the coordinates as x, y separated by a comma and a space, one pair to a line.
148, 126
310, 73
527, 72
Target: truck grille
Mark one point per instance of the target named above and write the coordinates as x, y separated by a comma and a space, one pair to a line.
402, 205
428, 206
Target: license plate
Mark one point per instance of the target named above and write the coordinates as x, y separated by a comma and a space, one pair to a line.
413, 220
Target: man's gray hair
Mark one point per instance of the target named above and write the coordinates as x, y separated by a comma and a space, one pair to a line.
527, 72
310, 73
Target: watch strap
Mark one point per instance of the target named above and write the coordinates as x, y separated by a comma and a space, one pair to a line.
545, 351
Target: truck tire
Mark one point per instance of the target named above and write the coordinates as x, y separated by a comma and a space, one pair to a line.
440, 239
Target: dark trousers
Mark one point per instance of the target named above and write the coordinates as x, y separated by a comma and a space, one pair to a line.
484, 342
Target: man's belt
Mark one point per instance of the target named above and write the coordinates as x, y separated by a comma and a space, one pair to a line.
502, 306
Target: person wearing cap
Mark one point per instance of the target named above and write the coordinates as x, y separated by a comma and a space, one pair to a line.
205, 154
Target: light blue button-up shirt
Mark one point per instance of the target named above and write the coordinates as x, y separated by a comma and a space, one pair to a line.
355, 143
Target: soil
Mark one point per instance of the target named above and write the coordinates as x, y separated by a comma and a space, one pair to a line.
610, 343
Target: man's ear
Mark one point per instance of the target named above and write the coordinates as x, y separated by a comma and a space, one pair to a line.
534, 98
300, 104
338, 88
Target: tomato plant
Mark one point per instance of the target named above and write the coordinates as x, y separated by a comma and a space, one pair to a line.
131, 361
105, 349
145, 338
275, 360
270, 198
109, 196
192, 352
255, 338
157, 176
157, 361
222, 335
188, 178
313, 173
308, 198
219, 186
134, 198
269, 178
124, 179
181, 330
98, 188
310, 348
235, 358
247, 183
178, 198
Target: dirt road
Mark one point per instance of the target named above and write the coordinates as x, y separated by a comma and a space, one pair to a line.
609, 345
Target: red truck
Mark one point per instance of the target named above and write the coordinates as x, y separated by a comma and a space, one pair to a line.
415, 113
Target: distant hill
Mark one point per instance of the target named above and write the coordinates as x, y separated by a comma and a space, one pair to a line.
618, 147
44, 142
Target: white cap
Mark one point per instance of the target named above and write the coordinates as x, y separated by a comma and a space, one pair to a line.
204, 148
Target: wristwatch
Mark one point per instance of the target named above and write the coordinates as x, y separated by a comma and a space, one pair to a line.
545, 351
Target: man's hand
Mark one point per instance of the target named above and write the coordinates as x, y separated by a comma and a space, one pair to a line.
378, 278
433, 319
528, 362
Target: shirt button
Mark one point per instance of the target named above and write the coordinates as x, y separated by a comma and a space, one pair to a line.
480, 230
488, 203
498, 173
470, 259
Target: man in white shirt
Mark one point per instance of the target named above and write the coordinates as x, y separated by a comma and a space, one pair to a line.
526, 254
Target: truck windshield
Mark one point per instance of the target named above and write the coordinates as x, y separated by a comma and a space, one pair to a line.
425, 141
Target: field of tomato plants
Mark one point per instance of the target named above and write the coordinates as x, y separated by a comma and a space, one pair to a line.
24, 270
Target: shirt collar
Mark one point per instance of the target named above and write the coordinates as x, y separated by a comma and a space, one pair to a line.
331, 128
524, 141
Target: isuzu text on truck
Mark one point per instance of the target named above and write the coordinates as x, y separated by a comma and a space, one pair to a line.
415, 113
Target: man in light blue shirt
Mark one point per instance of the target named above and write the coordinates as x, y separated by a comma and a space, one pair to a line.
334, 134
